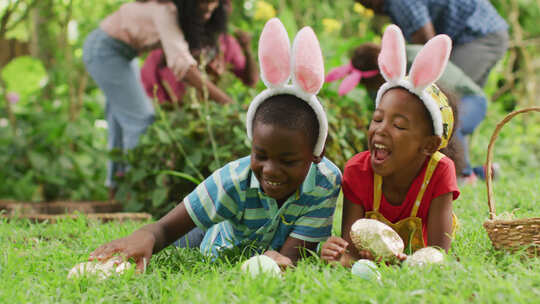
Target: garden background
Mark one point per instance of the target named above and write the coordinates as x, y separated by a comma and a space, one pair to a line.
53, 147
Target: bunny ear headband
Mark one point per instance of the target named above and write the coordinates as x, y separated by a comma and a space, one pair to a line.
352, 77
427, 67
305, 66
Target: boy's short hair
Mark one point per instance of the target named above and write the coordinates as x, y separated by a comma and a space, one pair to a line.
290, 112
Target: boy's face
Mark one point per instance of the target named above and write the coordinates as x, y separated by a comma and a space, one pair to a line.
398, 133
280, 159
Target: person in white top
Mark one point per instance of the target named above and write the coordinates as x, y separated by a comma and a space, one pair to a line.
182, 28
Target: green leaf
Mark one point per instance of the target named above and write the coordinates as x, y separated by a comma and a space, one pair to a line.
159, 196
24, 75
185, 176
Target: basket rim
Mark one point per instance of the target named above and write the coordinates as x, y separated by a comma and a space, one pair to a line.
489, 158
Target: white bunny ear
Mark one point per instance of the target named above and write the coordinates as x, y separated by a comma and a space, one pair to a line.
392, 59
308, 66
430, 62
274, 54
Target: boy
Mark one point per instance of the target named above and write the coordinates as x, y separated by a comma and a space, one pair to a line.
283, 195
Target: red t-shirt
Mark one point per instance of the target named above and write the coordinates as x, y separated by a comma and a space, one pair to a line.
357, 187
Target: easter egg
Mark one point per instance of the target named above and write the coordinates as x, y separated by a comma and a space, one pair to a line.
100, 269
425, 256
261, 264
366, 269
380, 239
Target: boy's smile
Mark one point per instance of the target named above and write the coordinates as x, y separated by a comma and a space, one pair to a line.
398, 133
280, 159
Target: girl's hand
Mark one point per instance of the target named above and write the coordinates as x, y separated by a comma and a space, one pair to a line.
137, 246
333, 249
366, 254
282, 261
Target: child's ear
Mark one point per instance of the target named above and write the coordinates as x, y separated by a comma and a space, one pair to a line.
431, 145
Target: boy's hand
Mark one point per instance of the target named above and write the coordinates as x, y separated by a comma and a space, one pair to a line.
333, 249
280, 259
137, 246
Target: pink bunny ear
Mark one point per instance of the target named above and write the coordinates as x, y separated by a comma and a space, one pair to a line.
392, 60
430, 62
350, 82
308, 66
339, 72
274, 53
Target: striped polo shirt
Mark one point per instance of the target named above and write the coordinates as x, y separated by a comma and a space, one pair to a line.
231, 206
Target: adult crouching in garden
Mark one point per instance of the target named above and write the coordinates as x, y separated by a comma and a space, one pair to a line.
181, 28
479, 34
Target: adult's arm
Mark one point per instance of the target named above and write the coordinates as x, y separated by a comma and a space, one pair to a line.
194, 78
250, 73
423, 34
177, 53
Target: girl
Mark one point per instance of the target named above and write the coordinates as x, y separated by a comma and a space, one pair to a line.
363, 69
181, 28
403, 180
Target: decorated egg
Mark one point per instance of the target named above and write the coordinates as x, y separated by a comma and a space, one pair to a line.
101, 269
425, 256
380, 239
366, 269
261, 264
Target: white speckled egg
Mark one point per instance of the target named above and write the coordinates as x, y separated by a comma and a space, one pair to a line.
366, 269
261, 264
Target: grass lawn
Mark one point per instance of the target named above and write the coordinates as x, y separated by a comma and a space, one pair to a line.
35, 258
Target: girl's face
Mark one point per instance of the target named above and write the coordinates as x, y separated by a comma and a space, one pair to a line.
399, 133
207, 8
280, 159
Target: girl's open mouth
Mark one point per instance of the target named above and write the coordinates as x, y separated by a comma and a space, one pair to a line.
380, 153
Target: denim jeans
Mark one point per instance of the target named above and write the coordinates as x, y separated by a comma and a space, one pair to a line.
128, 110
472, 111
192, 239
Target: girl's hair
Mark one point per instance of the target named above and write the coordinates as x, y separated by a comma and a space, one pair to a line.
200, 34
364, 58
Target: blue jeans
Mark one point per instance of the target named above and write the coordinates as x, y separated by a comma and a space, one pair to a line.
472, 111
128, 110
192, 239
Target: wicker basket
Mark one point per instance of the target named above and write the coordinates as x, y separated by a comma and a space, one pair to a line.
514, 234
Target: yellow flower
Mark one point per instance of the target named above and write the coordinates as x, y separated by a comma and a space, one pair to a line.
264, 11
360, 9
331, 25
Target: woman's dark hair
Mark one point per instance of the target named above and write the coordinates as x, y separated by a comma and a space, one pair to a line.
200, 34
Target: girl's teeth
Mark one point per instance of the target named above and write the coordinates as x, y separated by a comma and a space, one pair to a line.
379, 146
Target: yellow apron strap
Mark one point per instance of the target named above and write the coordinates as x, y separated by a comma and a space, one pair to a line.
433, 161
377, 191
